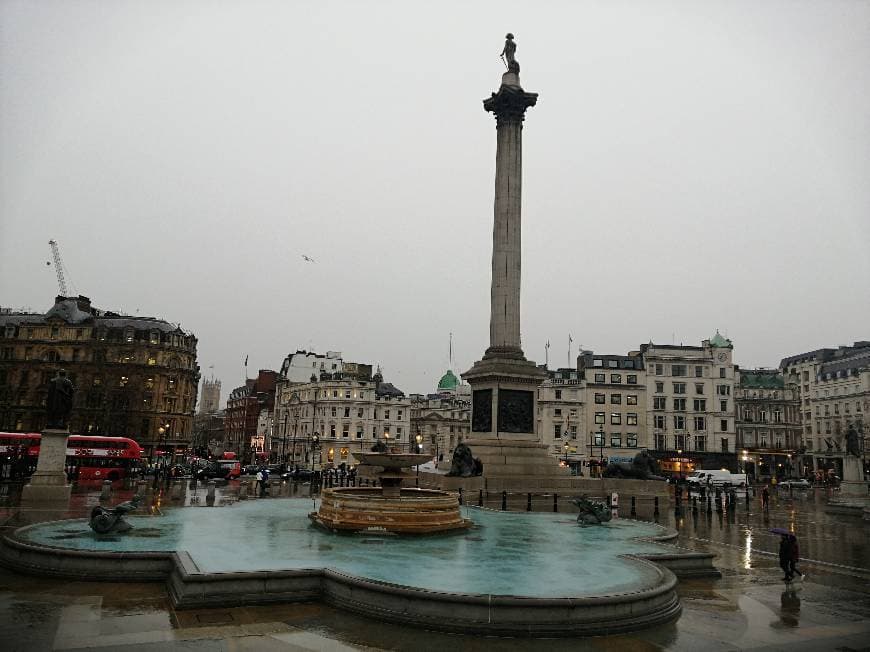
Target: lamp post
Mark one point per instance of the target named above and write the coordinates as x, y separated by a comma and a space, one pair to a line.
163, 431
566, 453
679, 464
419, 439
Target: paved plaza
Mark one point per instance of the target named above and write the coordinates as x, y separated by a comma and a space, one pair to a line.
748, 608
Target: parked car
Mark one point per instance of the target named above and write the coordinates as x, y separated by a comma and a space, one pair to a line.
797, 483
716, 477
300, 475
229, 469
250, 469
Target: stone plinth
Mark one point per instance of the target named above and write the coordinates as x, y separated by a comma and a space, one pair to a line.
854, 494
49, 484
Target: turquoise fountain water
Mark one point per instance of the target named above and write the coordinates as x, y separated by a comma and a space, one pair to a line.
527, 554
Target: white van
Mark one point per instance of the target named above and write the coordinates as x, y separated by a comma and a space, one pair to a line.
716, 477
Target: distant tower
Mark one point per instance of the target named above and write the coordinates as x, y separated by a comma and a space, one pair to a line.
211, 396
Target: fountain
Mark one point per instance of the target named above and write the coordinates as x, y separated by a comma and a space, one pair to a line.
389, 508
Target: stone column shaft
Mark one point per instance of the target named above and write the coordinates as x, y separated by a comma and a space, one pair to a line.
504, 322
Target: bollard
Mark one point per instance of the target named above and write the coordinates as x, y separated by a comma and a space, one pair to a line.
504, 501
480, 499
175, 493
555, 503
243, 490
703, 492
209, 496
633, 506
460, 495
141, 487
656, 506
529, 502
709, 505
106, 493
719, 504
694, 504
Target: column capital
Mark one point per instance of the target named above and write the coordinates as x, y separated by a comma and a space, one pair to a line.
510, 103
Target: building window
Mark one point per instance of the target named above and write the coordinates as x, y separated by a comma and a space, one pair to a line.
598, 439
699, 372
678, 370
631, 399
597, 362
359, 413
679, 422
659, 403
659, 421
679, 442
631, 440
699, 388
680, 404
345, 430
347, 413
616, 399
359, 432
660, 370
599, 417
332, 430
661, 442
333, 412
615, 378
122, 382
612, 364
700, 404
386, 414
723, 390
631, 419
701, 423
557, 430
600, 378
679, 388
722, 372
700, 443
615, 418
723, 406
557, 412
723, 425
558, 394
616, 439
660, 387
600, 398
631, 379
724, 444
574, 431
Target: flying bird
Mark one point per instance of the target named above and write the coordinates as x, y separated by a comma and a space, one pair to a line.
308, 259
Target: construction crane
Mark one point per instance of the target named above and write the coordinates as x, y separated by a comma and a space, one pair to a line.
58, 268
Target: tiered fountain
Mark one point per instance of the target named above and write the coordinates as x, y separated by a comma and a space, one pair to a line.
390, 507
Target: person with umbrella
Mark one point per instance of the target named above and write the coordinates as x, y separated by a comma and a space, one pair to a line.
789, 553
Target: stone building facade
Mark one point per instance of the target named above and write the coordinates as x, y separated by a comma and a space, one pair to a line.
690, 405
768, 425
561, 417
334, 416
615, 427
133, 375
443, 418
834, 394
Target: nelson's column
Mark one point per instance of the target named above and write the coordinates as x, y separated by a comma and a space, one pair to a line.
504, 384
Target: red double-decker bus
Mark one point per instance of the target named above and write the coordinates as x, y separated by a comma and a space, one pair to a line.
88, 458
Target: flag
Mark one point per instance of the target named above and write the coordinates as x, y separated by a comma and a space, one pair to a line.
570, 339
548, 344
246, 361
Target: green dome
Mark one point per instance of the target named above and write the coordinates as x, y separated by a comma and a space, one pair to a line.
448, 381
717, 341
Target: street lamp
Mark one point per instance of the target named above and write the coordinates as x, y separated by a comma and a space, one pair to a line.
566, 453
163, 431
679, 463
419, 439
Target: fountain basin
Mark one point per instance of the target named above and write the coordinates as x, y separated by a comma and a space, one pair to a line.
414, 511
512, 574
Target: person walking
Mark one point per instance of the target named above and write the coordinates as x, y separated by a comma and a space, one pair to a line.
794, 557
785, 553
765, 497
259, 478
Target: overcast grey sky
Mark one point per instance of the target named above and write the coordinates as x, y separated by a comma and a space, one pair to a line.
689, 166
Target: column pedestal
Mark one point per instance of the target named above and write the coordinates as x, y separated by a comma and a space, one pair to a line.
49, 484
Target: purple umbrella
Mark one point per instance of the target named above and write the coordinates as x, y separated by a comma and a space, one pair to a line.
779, 530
